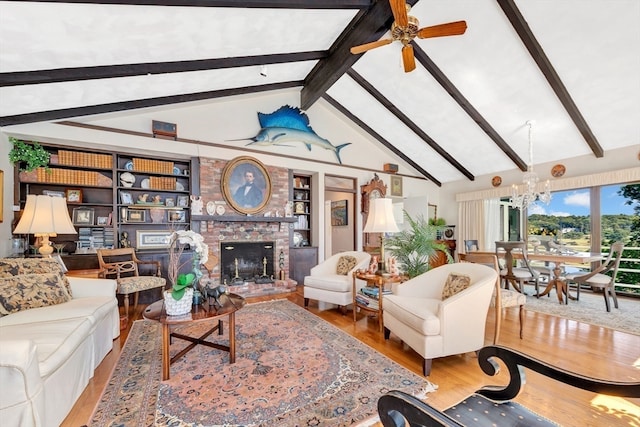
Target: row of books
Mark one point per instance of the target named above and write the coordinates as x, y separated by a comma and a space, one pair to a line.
369, 296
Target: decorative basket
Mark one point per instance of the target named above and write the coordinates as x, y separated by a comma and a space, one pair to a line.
177, 308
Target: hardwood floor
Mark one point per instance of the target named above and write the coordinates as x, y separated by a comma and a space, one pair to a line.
583, 348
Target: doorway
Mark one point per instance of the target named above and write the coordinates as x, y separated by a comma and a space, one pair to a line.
340, 214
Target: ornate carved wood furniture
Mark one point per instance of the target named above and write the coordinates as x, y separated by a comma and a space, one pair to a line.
396, 407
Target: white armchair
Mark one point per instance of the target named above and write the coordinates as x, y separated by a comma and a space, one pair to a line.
435, 327
325, 283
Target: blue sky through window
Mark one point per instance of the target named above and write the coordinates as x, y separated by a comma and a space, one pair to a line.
576, 202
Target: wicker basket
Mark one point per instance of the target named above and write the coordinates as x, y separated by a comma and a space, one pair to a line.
178, 308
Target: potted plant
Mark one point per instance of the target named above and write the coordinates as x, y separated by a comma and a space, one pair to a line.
32, 154
178, 300
414, 247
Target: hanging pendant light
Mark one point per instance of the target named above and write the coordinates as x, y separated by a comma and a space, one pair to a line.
529, 194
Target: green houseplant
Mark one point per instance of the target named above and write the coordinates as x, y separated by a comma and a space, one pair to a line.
414, 247
32, 154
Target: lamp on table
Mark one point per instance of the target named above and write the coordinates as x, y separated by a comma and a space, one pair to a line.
45, 216
381, 220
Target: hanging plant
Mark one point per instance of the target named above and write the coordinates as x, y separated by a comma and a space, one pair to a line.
33, 155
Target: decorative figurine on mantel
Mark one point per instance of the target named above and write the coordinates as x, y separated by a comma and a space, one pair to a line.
196, 205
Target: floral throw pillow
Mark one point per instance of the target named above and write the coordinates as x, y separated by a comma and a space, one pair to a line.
10, 267
345, 264
27, 291
455, 283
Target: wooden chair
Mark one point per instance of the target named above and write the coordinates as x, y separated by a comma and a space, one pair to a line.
493, 405
598, 279
122, 264
502, 298
517, 276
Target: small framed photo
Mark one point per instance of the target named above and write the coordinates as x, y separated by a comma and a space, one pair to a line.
136, 215
153, 239
126, 198
170, 201
396, 185
74, 195
182, 201
177, 215
83, 216
53, 193
102, 220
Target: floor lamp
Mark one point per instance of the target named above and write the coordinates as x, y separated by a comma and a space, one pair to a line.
45, 216
381, 220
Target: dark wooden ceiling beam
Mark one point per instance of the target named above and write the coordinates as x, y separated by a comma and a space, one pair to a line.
251, 4
408, 123
129, 70
137, 104
379, 138
537, 53
453, 91
367, 26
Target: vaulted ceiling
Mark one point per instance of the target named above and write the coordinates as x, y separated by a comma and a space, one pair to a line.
570, 66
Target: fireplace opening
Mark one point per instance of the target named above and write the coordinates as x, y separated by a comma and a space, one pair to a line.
242, 262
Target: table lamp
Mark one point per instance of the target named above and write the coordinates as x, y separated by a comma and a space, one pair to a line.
45, 216
381, 220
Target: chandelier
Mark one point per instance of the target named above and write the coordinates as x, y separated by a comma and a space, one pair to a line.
530, 180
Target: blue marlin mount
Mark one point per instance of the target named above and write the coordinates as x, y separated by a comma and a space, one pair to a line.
289, 124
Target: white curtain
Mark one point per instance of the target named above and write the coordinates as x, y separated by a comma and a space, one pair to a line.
492, 224
479, 220
471, 223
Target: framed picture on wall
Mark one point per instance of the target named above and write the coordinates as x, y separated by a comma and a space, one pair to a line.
396, 185
339, 215
246, 185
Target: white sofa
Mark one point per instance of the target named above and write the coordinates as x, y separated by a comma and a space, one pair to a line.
433, 327
48, 354
326, 285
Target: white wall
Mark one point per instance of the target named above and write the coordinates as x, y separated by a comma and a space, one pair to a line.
210, 128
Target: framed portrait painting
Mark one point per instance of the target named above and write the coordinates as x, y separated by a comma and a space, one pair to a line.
246, 185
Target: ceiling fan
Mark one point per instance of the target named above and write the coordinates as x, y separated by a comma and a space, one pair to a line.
405, 28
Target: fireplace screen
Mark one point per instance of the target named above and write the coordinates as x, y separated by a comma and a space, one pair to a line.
247, 262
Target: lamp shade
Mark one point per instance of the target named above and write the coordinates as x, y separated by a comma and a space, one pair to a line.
45, 215
381, 219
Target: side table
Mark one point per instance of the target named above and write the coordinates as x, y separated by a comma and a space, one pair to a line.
375, 305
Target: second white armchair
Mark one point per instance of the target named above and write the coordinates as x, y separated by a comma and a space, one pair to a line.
331, 284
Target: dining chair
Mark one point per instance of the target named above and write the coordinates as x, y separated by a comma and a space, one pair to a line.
510, 273
122, 265
469, 245
502, 298
598, 278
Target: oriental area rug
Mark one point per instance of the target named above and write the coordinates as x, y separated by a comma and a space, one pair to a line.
591, 309
292, 369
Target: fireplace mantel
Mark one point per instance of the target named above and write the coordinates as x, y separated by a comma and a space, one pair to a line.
241, 218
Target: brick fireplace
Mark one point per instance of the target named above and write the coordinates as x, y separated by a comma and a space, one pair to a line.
229, 229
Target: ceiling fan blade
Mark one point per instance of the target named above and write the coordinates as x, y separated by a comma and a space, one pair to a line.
399, 9
450, 29
408, 59
368, 46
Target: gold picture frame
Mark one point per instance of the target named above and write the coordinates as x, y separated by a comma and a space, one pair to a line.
235, 179
396, 186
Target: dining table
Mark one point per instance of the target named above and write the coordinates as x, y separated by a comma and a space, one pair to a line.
559, 259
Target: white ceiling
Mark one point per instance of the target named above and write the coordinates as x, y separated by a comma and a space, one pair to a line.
593, 46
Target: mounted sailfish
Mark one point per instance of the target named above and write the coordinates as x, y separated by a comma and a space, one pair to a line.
289, 124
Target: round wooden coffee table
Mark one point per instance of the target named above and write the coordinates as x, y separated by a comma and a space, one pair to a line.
199, 313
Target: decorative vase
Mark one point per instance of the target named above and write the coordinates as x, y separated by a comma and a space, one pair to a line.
175, 307
197, 295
